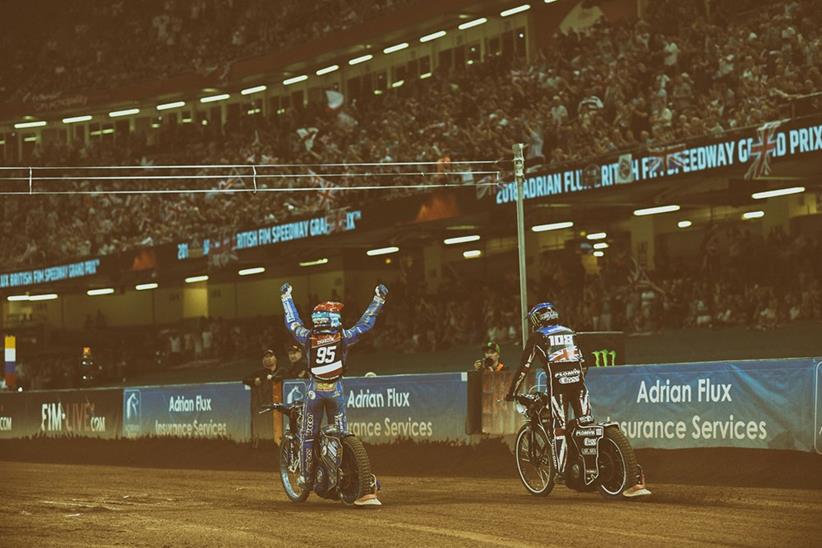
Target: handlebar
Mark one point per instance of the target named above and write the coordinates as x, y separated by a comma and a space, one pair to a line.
281, 407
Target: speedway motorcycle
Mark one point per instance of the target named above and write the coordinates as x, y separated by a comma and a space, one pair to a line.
597, 456
343, 471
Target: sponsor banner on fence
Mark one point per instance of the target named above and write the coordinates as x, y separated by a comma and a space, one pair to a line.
90, 413
214, 410
767, 404
817, 414
418, 407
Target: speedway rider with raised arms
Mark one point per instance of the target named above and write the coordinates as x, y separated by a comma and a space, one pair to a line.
326, 346
552, 347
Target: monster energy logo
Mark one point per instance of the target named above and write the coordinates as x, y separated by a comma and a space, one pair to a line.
604, 358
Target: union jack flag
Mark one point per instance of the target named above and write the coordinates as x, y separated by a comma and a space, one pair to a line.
762, 150
326, 196
667, 156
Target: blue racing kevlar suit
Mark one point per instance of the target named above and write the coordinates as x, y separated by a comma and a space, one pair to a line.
325, 351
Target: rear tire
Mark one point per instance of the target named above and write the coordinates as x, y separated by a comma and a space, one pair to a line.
535, 461
290, 469
355, 479
618, 468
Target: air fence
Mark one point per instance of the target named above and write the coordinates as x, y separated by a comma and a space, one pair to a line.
763, 404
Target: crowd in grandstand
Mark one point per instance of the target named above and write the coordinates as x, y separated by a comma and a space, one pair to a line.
91, 46
612, 87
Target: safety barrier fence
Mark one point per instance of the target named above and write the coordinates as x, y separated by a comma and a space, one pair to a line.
766, 404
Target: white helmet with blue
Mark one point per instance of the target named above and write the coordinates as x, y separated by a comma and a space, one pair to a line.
543, 314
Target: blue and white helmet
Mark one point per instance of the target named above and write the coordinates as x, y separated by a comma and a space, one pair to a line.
543, 314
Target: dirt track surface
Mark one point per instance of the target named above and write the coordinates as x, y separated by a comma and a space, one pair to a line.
75, 505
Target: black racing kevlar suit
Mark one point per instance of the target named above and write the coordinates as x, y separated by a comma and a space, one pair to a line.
553, 348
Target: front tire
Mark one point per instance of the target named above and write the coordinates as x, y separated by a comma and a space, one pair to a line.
533, 453
290, 469
355, 467
618, 467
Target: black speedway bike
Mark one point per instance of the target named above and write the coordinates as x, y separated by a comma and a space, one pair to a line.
342, 470
597, 456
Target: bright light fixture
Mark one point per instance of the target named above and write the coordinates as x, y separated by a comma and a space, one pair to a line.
397, 47
474, 23
326, 70
250, 271
44, 297
214, 98
26, 125
397, 84
684, 224
514, 11
167, 106
195, 279
316, 262
425, 75
126, 112
753, 215
360, 59
101, 291
601, 245
472, 253
552, 226
599, 254
254, 89
75, 119
461, 239
14, 298
656, 210
432, 36
295, 79
597, 236
143, 287
778, 192
382, 251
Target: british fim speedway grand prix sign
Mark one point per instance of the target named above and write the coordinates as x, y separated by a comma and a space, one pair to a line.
771, 141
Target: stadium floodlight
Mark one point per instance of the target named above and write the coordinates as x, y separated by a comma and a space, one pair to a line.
167, 106
125, 112
43, 297
396, 47
254, 89
656, 210
382, 251
328, 69
472, 254
295, 79
196, 279
30, 139
144, 287
27, 125
75, 119
432, 36
101, 291
214, 98
316, 262
778, 192
684, 224
397, 84
514, 11
600, 245
461, 239
360, 59
599, 254
753, 215
251, 271
425, 75
597, 236
474, 23
550, 1
552, 226
14, 298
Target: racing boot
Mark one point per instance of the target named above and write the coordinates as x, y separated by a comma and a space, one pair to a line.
638, 490
370, 499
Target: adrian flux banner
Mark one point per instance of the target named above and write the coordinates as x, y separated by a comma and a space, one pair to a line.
215, 410
766, 404
88, 413
388, 408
